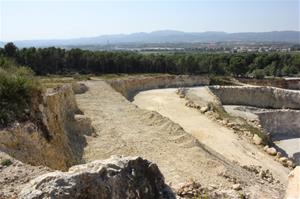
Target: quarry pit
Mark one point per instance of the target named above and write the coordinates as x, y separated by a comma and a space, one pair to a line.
199, 131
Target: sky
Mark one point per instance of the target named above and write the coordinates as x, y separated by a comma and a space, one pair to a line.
28, 20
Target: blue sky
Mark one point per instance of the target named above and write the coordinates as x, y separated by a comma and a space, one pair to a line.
22, 20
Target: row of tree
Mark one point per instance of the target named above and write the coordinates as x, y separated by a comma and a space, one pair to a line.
60, 61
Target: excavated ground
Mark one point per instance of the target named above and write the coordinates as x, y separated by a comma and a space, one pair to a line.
221, 139
122, 128
186, 145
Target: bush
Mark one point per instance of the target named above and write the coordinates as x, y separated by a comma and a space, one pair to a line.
258, 73
6, 162
17, 86
221, 80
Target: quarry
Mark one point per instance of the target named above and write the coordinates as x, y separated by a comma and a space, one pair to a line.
160, 136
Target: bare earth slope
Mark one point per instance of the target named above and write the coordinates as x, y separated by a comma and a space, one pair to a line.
124, 129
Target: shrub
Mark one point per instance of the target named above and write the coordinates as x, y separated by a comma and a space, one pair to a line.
6, 162
258, 73
17, 86
221, 80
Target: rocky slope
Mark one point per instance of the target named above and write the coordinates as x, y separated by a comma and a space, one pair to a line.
55, 136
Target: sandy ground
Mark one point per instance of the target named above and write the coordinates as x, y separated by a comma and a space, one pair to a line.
207, 131
124, 129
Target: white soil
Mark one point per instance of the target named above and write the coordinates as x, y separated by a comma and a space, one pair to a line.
209, 132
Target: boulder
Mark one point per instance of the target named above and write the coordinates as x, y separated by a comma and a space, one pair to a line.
257, 140
236, 187
79, 88
283, 159
271, 151
290, 163
203, 109
117, 177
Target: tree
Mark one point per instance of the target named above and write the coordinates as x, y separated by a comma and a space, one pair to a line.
10, 50
237, 66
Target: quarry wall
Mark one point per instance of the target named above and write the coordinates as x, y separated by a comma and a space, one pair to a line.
283, 124
262, 97
131, 86
54, 138
293, 84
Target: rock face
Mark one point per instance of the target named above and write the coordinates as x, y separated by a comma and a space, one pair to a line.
129, 87
117, 177
54, 138
261, 97
281, 123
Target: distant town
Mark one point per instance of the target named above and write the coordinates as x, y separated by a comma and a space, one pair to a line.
223, 47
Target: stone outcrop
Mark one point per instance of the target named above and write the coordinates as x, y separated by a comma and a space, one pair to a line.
128, 87
117, 177
261, 97
53, 137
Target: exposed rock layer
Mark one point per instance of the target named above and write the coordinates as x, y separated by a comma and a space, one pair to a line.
131, 177
128, 87
282, 124
54, 139
262, 97
293, 84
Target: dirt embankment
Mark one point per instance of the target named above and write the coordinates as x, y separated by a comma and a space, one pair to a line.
128, 87
54, 138
262, 97
293, 84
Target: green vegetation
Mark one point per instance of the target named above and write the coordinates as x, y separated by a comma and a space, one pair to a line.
221, 80
17, 86
6, 162
53, 60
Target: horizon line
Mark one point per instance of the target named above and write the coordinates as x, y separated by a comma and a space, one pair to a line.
126, 34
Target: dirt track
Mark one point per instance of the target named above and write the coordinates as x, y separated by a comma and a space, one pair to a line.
124, 129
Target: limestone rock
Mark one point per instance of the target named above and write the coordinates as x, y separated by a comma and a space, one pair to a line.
290, 163
236, 187
117, 177
203, 109
79, 88
257, 140
84, 124
271, 151
283, 160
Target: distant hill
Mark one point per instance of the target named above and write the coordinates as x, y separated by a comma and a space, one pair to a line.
170, 36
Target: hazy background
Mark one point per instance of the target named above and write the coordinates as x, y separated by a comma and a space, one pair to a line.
24, 20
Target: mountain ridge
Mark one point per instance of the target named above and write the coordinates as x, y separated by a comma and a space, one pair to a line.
168, 36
